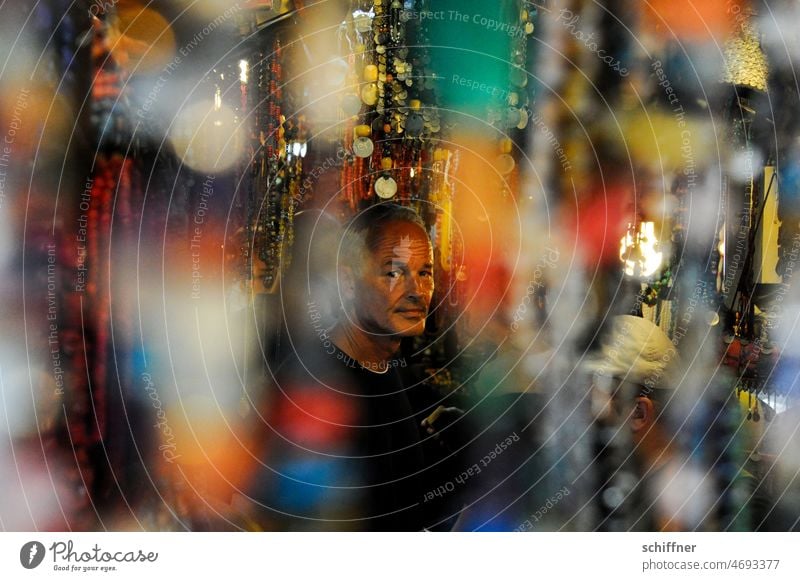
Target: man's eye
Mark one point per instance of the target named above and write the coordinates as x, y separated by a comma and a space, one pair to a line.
426, 273
393, 274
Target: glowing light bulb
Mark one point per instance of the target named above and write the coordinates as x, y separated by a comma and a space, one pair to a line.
639, 251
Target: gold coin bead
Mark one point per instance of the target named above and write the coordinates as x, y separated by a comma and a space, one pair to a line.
510, 111
745, 61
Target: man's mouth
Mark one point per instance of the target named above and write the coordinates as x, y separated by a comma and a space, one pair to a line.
412, 312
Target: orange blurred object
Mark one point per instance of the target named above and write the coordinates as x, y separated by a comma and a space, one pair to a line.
486, 225
693, 20
142, 40
220, 457
597, 222
29, 111
315, 419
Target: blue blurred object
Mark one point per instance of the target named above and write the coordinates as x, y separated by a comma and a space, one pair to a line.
789, 178
306, 484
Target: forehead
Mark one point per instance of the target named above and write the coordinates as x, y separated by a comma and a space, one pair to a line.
401, 241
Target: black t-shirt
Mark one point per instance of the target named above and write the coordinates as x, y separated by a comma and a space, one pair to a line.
346, 451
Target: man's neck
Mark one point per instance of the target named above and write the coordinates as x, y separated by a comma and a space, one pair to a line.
371, 351
654, 450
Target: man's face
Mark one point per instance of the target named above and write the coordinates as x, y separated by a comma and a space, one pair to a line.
392, 290
616, 406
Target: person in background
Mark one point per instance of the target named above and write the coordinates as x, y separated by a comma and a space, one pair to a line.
636, 399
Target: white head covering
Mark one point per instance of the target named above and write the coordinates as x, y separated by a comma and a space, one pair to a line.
637, 351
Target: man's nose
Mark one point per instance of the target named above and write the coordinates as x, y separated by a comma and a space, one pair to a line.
418, 288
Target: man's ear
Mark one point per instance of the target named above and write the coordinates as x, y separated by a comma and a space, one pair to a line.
643, 415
